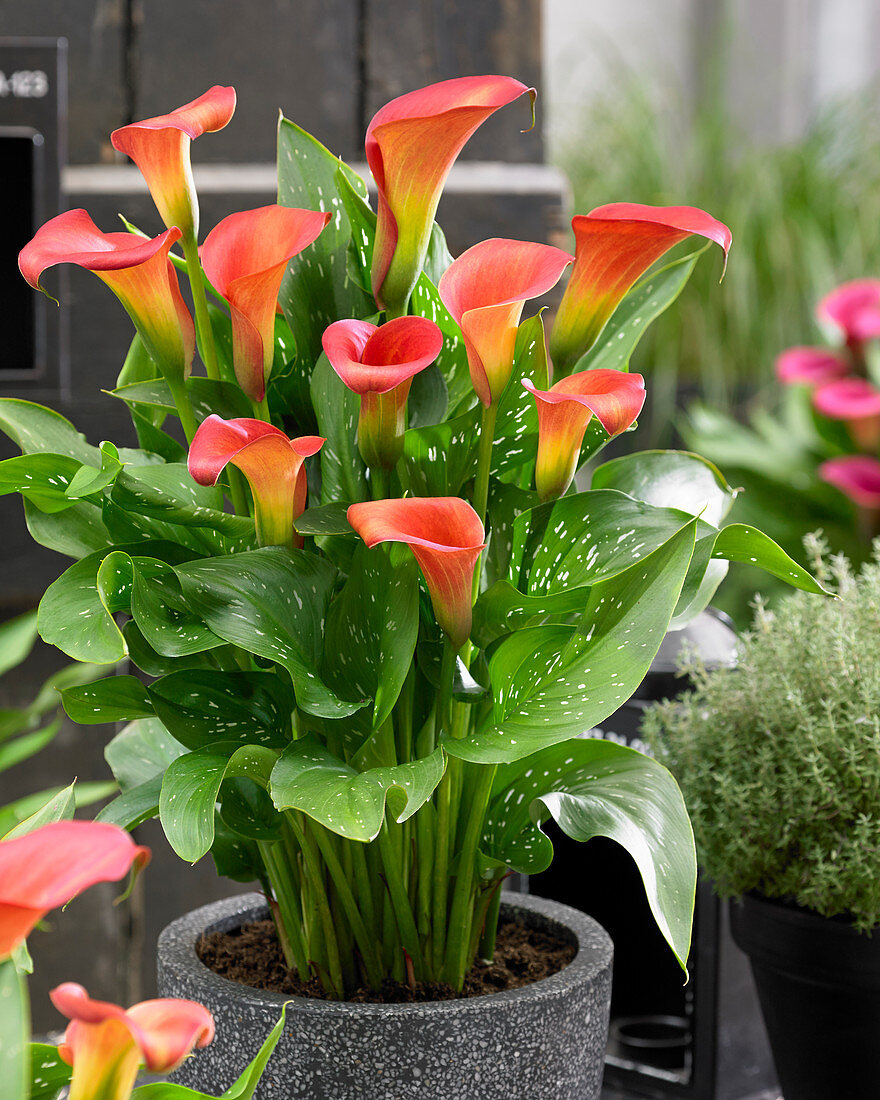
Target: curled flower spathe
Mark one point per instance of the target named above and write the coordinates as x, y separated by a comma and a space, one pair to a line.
485, 290
160, 147
810, 366
614, 397
272, 463
857, 476
245, 256
379, 363
614, 246
446, 537
412, 143
106, 1044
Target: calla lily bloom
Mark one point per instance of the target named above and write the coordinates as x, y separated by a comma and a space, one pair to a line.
138, 272
854, 309
46, 868
858, 476
445, 535
810, 366
857, 402
244, 257
379, 363
564, 411
160, 148
272, 464
485, 290
106, 1044
614, 246
412, 143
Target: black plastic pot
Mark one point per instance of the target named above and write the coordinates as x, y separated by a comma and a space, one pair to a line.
819, 985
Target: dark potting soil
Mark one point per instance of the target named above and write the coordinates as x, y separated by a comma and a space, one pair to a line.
252, 956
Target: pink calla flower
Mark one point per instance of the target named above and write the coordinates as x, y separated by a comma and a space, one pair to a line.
160, 148
614, 397
858, 476
854, 309
445, 535
810, 366
46, 868
614, 246
272, 464
379, 364
106, 1044
138, 272
245, 256
855, 401
412, 143
485, 290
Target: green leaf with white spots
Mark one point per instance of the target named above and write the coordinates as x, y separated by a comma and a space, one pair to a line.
308, 777
42, 479
206, 395
49, 1072
598, 788
328, 519
75, 532
201, 707
36, 429
343, 473
163, 615
89, 481
503, 608
113, 699
169, 493
272, 602
552, 683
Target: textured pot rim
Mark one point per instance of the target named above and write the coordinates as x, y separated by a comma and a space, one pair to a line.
177, 954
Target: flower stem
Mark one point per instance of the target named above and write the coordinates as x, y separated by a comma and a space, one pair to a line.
318, 890
289, 911
183, 406
403, 915
484, 461
207, 350
444, 814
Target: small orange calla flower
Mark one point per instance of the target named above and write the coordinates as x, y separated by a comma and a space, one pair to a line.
614, 245
245, 256
272, 464
106, 1044
485, 290
138, 272
412, 143
379, 363
160, 148
614, 397
46, 868
445, 535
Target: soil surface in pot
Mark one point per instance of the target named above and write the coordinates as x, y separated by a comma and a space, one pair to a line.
252, 956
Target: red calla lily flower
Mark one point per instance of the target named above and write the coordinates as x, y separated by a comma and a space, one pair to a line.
614, 245
614, 397
445, 535
106, 1044
854, 309
245, 256
160, 148
272, 463
857, 402
858, 476
46, 868
379, 363
810, 366
411, 145
485, 290
138, 272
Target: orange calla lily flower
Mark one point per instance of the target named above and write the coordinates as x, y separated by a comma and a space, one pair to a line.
379, 363
160, 148
272, 464
614, 245
244, 257
106, 1044
445, 535
138, 272
614, 397
412, 143
485, 290
46, 868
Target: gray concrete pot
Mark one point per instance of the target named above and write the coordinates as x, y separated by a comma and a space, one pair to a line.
543, 1042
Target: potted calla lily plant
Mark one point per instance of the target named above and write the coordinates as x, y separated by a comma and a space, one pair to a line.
368, 616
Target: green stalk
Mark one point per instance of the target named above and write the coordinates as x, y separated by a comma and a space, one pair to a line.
487, 928
312, 867
364, 887
288, 920
235, 479
261, 410
484, 463
379, 483
444, 816
183, 406
207, 349
403, 915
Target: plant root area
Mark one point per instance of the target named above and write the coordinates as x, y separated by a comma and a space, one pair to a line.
251, 955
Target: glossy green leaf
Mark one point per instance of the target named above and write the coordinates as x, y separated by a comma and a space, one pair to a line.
36, 429
328, 519
42, 479
552, 683
164, 616
169, 493
598, 788
343, 473
308, 777
49, 1072
85, 794
286, 594
206, 396
76, 532
114, 699
140, 751
60, 807
90, 480
503, 608
135, 806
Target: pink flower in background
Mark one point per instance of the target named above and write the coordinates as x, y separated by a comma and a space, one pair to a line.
858, 476
811, 366
855, 401
854, 309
